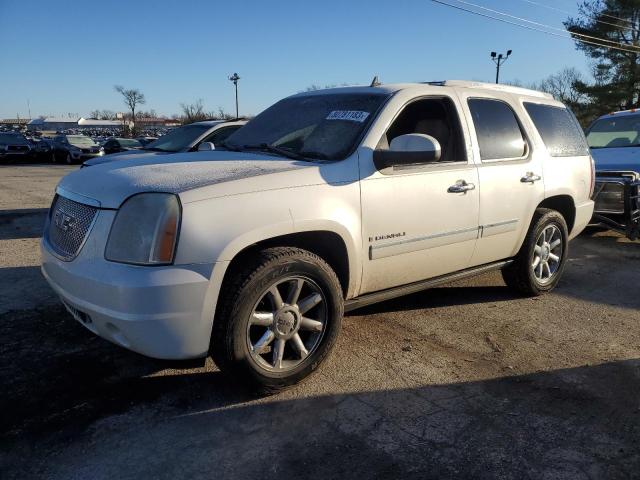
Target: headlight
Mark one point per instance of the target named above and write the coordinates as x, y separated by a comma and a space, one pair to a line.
145, 231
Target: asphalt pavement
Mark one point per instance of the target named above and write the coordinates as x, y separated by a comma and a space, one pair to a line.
462, 381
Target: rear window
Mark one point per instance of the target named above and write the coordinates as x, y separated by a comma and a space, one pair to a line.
497, 129
559, 130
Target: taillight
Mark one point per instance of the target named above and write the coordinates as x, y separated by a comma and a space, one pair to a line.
593, 177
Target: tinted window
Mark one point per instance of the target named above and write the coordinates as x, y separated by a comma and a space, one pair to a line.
559, 130
498, 130
9, 139
221, 134
178, 139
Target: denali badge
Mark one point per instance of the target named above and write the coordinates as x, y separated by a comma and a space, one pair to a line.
63, 221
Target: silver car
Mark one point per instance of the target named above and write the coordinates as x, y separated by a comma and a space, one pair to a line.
187, 138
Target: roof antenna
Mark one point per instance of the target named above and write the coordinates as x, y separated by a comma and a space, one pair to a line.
375, 82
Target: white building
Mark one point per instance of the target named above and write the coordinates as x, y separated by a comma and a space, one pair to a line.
62, 123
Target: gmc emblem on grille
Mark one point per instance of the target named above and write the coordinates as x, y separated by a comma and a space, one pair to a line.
63, 221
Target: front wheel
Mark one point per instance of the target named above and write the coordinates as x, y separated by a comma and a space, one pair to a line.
279, 318
68, 160
540, 262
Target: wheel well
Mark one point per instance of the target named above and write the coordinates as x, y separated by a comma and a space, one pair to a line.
327, 245
563, 204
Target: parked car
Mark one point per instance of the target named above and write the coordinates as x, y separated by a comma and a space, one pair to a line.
73, 149
117, 145
187, 138
14, 146
146, 140
327, 201
615, 144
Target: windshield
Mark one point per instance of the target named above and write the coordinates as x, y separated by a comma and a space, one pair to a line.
129, 142
12, 139
325, 126
80, 141
178, 139
615, 132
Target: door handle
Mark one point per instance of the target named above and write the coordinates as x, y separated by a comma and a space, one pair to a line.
530, 177
461, 186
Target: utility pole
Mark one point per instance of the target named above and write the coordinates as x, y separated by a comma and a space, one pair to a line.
499, 61
234, 78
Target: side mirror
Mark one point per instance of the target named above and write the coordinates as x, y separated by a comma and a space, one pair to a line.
410, 149
206, 147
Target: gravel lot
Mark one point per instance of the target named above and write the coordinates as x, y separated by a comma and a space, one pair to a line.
463, 381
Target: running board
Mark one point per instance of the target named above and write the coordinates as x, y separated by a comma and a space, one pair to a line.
402, 290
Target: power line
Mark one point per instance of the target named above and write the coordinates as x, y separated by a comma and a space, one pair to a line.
567, 12
599, 39
529, 27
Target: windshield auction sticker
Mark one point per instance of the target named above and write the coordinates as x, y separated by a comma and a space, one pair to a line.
349, 115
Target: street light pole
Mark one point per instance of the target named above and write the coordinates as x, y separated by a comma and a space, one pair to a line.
499, 61
234, 78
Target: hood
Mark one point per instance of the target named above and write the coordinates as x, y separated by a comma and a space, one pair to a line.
120, 156
627, 158
112, 182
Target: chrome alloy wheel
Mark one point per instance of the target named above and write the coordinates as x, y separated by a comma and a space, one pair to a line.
547, 254
284, 330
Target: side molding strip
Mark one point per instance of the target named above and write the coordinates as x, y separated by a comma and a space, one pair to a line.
402, 290
422, 243
498, 228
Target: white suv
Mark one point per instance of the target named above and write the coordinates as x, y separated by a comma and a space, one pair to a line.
325, 202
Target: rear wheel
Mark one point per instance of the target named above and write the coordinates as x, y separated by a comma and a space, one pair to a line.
279, 318
539, 265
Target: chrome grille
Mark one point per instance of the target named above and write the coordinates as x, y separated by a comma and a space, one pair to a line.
68, 226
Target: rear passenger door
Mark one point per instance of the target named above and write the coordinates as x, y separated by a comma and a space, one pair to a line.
510, 174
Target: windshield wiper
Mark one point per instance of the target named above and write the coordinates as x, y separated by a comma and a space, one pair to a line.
285, 152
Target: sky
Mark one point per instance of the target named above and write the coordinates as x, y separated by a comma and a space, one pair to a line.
65, 57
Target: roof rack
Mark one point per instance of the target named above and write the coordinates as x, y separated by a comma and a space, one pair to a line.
490, 86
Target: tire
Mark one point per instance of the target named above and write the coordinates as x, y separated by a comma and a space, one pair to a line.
53, 157
241, 348
68, 160
524, 274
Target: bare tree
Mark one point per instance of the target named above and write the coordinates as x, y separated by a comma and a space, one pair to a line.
193, 112
147, 114
563, 86
103, 115
132, 98
222, 115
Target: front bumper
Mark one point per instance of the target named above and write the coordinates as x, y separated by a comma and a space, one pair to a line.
617, 198
162, 312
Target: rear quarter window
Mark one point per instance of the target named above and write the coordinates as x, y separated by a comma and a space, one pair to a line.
559, 130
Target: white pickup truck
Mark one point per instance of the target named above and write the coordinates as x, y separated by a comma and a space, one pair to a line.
325, 202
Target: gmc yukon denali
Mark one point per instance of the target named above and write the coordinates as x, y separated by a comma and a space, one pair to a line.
325, 202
